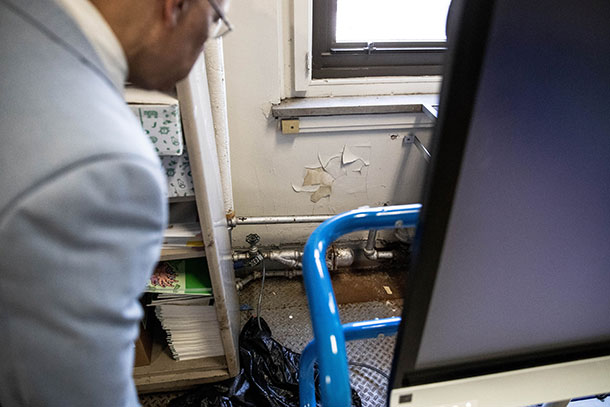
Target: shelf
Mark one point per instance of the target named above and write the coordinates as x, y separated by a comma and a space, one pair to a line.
181, 199
179, 253
165, 373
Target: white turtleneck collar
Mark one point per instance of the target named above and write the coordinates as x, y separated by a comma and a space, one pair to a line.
102, 38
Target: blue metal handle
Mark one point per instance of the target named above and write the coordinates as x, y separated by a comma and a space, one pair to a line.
328, 333
352, 331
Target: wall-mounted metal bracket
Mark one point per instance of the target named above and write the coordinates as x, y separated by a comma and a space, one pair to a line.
423, 149
408, 139
290, 126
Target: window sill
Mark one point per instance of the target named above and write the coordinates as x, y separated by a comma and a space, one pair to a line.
352, 105
370, 86
338, 114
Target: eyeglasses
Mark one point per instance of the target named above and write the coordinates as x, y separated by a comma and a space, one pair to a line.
223, 26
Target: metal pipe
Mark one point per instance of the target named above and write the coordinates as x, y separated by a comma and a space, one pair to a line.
292, 263
215, 69
373, 254
370, 242
379, 255
270, 254
270, 220
241, 256
338, 257
342, 257
286, 254
423, 149
240, 284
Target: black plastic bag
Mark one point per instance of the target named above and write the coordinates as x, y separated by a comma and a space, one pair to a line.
269, 376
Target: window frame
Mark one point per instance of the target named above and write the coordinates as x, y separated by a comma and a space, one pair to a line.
299, 81
348, 60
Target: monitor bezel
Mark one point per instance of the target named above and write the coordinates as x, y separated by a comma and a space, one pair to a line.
457, 101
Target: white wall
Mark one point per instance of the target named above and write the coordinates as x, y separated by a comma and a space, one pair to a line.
266, 164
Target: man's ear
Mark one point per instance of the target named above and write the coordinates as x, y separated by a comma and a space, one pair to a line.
172, 11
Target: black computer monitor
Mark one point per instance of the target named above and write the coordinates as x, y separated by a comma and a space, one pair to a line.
507, 301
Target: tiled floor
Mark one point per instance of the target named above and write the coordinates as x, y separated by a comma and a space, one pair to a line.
284, 307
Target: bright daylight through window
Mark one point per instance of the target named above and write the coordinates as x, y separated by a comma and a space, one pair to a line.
391, 20
360, 38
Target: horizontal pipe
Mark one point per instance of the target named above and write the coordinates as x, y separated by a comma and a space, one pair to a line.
378, 255
240, 284
244, 282
270, 220
270, 254
340, 257
290, 262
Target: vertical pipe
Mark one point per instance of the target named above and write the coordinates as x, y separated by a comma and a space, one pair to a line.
370, 242
214, 64
197, 119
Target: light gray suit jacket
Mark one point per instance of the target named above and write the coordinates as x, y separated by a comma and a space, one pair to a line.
82, 210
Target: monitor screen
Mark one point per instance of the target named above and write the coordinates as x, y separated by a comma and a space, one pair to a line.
511, 264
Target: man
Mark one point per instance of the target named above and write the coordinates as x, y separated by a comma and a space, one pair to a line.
82, 201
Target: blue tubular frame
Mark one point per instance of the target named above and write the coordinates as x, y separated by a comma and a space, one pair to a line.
329, 343
352, 331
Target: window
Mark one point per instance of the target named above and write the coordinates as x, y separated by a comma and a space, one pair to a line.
361, 38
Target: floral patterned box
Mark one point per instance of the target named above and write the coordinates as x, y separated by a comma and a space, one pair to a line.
179, 178
159, 115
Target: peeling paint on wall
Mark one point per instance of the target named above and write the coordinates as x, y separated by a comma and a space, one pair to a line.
345, 171
334, 167
322, 192
348, 156
317, 182
308, 188
317, 176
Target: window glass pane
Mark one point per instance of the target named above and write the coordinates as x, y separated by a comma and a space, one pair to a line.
391, 20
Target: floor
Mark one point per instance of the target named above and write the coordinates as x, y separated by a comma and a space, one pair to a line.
361, 296
364, 295
284, 307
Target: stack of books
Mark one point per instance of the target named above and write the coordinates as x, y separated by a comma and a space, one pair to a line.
182, 235
185, 307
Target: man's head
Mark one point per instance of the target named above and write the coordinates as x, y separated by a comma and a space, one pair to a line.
161, 38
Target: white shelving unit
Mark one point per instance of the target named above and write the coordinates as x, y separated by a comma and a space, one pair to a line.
164, 373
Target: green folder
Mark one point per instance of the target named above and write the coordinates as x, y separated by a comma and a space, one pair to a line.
189, 276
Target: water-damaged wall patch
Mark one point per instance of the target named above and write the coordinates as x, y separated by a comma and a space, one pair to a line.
318, 182
346, 170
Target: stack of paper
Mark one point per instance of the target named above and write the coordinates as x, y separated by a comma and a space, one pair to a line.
182, 235
185, 307
192, 330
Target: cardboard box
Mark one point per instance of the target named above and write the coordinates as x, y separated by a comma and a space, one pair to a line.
159, 115
144, 343
143, 348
